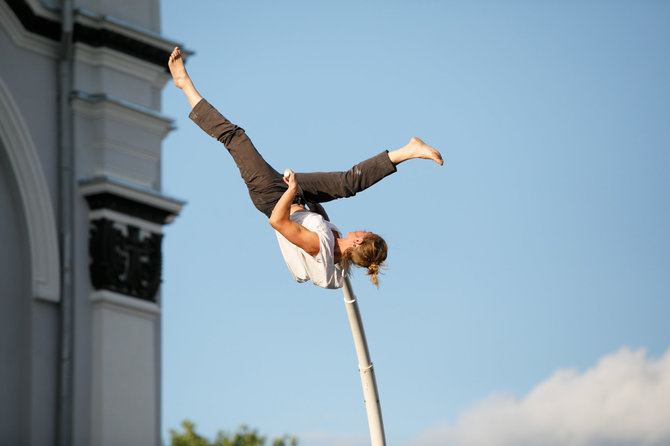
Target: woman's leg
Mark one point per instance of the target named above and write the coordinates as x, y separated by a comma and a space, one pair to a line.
265, 184
321, 187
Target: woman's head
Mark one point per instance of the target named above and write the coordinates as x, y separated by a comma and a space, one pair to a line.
369, 251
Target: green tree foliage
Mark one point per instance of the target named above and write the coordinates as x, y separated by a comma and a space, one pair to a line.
242, 437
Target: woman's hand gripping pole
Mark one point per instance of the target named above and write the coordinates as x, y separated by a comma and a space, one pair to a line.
295, 233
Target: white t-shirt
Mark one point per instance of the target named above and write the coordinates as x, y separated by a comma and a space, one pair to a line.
321, 268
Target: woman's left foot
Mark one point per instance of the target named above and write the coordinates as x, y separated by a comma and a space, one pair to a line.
177, 69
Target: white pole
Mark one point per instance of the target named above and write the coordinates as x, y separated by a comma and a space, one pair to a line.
370, 393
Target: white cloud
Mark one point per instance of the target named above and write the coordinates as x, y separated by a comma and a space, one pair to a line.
623, 400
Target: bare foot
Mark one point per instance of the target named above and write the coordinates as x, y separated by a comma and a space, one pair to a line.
176, 65
415, 149
181, 78
420, 149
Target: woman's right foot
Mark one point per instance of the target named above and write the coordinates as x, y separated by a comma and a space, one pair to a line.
415, 149
177, 69
420, 149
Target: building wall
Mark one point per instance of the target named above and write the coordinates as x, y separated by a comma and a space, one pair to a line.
14, 308
119, 72
29, 326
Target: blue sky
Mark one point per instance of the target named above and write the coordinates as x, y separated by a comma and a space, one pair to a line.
541, 246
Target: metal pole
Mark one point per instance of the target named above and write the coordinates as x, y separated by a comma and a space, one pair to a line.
367, 371
370, 393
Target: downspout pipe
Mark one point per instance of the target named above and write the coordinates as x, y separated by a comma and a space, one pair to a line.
66, 223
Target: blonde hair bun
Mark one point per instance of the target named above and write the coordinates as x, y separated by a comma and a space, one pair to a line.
370, 255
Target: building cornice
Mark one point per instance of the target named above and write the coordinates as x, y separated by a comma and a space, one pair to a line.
97, 31
121, 302
103, 105
147, 204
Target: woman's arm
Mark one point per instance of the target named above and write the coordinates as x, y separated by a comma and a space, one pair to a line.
294, 232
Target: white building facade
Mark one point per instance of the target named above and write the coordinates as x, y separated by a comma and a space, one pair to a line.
81, 221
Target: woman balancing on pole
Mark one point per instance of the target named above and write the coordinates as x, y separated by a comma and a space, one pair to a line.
313, 248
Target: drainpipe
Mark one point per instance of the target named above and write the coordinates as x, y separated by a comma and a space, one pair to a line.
66, 224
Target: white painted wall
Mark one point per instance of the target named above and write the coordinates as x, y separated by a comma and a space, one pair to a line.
124, 370
118, 130
14, 308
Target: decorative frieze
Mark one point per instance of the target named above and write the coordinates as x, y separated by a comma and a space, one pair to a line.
125, 259
125, 236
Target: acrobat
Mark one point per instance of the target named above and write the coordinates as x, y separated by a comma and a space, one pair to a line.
313, 248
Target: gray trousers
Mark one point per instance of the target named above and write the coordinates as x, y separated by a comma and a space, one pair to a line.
266, 185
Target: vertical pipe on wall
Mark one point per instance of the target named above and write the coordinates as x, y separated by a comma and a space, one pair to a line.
370, 393
66, 223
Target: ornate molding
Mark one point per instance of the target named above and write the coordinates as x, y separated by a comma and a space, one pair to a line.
125, 259
125, 238
35, 198
147, 204
24, 39
120, 302
96, 31
107, 106
126, 206
113, 60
